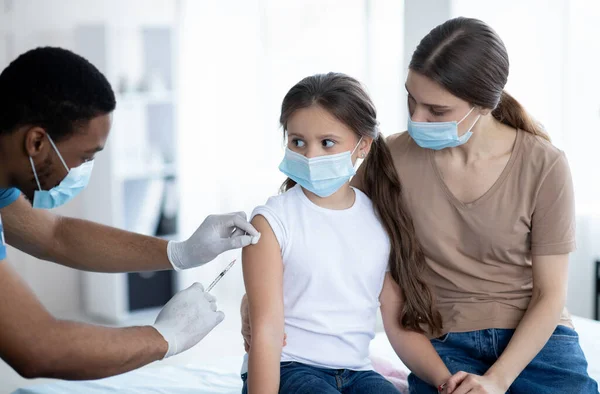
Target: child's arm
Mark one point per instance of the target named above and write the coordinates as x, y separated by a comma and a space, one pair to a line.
263, 277
414, 349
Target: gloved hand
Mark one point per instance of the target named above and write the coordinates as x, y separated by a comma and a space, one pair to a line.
217, 234
187, 318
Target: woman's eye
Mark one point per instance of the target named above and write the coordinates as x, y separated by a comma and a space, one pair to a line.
328, 143
298, 143
411, 105
436, 113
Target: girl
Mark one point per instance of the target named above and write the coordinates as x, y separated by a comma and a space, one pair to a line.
330, 254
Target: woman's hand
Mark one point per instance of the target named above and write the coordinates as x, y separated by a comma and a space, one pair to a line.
463, 383
246, 329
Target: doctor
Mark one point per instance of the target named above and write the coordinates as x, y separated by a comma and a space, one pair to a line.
55, 115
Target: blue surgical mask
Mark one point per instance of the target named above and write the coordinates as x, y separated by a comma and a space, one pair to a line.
322, 175
439, 135
76, 180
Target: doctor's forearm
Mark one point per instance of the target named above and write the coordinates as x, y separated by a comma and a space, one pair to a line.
74, 351
94, 247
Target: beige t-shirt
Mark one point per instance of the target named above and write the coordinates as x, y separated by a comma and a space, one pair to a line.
480, 253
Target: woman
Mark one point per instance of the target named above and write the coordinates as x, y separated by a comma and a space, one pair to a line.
493, 207
329, 255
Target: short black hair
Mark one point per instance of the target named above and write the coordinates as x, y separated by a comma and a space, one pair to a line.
52, 88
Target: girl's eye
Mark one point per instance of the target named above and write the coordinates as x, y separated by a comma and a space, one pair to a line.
328, 143
298, 143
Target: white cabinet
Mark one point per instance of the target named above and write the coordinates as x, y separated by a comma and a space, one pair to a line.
134, 186
134, 43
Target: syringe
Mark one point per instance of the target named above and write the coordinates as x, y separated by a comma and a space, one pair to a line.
218, 278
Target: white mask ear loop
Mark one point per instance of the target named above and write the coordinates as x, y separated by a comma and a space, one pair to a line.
356, 147
465, 117
35, 173
58, 153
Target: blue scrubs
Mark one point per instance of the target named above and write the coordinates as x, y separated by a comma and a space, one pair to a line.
7, 197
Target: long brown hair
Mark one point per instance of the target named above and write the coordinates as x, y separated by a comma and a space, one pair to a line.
468, 58
345, 98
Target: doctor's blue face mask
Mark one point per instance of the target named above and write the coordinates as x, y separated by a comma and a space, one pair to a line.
322, 175
76, 180
439, 135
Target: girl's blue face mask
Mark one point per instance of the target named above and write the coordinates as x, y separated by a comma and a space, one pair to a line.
76, 180
322, 175
439, 135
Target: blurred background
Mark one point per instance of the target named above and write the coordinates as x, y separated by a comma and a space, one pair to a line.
199, 86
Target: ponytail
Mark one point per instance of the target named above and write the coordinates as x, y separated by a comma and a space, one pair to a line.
407, 261
510, 112
287, 185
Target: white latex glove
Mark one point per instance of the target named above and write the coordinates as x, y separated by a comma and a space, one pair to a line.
217, 234
187, 318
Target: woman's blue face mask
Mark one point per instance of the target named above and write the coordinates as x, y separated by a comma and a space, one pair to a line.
439, 135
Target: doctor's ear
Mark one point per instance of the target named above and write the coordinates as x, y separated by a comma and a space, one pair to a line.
35, 140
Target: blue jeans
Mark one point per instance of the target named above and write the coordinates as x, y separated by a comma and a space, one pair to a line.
297, 378
559, 368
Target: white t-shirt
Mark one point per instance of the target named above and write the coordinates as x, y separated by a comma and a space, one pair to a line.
334, 263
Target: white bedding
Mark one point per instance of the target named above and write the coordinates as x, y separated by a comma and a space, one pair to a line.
152, 380
224, 378
589, 338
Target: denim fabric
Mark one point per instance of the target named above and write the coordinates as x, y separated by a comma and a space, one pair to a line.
297, 378
559, 368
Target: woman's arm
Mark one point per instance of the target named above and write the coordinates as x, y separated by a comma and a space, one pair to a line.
539, 322
414, 349
263, 277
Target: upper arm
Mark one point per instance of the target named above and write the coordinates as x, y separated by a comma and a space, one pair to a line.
553, 219
263, 277
550, 275
30, 230
391, 303
22, 321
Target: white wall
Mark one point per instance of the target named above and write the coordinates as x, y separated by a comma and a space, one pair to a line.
420, 16
581, 125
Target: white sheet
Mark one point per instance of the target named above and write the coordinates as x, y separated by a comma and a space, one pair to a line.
225, 378
153, 380
589, 338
